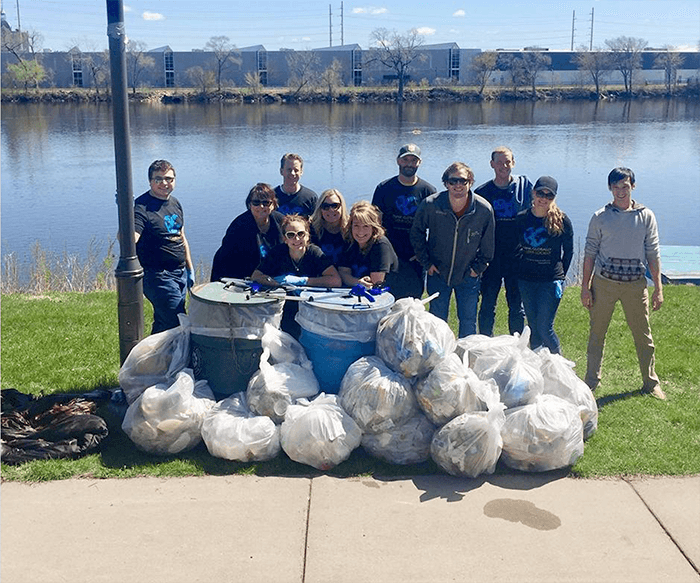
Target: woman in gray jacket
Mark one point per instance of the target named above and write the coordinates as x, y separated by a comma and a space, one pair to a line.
453, 238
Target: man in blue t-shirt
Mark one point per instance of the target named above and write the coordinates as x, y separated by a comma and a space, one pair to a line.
162, 247
508, 194
292, 197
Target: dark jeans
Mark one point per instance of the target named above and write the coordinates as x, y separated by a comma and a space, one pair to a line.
541, 300
467, 299
407, 282
491, 281
166, 290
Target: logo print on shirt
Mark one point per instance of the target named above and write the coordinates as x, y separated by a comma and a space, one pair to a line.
407, 205
359, 271
172, 223
535, 237
287, 209
504, 208
332, 251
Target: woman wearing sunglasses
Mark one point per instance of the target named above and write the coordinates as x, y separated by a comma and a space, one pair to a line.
296, 262
370, 257
545, 250
328, 224
250, 236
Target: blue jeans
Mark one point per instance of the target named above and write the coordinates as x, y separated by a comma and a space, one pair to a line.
166, 290
491, 281
467, 299
541, 300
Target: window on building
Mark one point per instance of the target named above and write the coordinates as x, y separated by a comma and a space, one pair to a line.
169, 67
77, 65
357, 68
454, 64
261, 58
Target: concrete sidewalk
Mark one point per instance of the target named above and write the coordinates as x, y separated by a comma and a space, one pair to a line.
520, 527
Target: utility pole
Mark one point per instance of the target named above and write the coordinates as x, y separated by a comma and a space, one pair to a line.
590, 47
573, 22
330, 26
129, 273
19, 23
342, 26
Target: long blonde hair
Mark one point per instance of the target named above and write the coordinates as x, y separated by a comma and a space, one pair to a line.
317, 217
554, 220
370, 215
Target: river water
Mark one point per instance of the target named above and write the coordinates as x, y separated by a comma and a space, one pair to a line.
58, 176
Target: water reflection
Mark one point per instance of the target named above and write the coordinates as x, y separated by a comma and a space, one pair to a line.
58, 159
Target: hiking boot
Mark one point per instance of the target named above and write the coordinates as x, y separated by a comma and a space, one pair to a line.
656, 392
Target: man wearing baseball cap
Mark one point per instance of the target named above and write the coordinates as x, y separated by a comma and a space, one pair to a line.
398, 199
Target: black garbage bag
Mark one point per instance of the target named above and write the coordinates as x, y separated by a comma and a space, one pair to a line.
54, 426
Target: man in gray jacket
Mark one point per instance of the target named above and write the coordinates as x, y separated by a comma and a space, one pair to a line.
453, 237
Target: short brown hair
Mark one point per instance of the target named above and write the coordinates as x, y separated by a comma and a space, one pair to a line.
454, 167
159, 166
289, 156
262, 191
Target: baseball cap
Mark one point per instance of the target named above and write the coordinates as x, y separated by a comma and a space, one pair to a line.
409, 150
546, 182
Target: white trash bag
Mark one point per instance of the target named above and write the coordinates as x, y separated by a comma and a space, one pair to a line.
411, 340
275, 387
561, 380
156, 360
168, 419
470, 444
408, 443
375, 396
319, 433
232, 432
283, 347
451, 389
542, 436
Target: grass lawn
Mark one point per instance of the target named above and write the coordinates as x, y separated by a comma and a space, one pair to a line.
69, 342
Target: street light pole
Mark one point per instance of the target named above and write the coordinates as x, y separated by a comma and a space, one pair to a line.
129, 273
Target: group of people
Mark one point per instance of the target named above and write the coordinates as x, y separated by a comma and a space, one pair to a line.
410, 238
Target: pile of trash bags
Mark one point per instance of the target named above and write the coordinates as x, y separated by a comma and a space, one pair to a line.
464, 403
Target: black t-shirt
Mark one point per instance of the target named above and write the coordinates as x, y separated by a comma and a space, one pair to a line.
278, 262
541, 256
332, 244
159, 224
302, 203
381, 257
399, 204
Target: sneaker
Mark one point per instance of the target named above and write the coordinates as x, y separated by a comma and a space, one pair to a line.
656, 392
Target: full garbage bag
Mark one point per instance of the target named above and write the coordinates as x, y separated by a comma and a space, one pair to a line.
544, 435
407, 443
483, 352
319, 433
375, 396
283, 347
168, 419
411, 340
275, 387
452, 388
561, 380
231, 431
156, 360
470, 444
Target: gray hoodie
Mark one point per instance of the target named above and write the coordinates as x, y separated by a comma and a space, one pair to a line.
454, 245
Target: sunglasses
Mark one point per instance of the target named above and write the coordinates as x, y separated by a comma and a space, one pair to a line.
545, 194
161, 179
260, 203
330, 206
454, 181
295, 234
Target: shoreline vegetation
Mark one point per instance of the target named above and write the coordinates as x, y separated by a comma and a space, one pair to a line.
412, 94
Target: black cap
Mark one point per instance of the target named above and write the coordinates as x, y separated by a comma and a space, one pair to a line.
409, 150
546, 182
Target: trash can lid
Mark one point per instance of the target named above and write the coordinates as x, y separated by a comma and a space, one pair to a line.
234, 293
344, 302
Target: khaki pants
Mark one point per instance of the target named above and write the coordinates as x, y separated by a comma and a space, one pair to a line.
635, 304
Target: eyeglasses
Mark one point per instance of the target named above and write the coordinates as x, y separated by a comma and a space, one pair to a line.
260, 203
161, 179
455, 180
545, 194
295, 234
330, 206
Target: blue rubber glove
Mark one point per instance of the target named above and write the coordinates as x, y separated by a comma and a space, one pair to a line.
190, 279
558, 288
291, 280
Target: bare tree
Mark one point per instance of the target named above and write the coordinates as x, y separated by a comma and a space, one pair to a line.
627, 57
254, 83
514, 66
331, 78
94, 61
533, 62
303, 71
482, 67
137, 62
596, 63
225, 55
397, 52
670, 61
204, 79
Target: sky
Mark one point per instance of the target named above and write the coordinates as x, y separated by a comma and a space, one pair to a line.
306, 24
